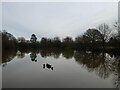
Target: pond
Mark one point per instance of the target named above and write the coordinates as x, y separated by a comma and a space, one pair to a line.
60, 69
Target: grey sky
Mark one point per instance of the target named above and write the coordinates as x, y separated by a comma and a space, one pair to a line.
52, 19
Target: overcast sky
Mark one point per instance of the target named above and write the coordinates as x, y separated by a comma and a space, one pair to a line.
50, 19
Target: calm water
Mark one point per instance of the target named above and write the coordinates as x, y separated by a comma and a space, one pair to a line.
60, 69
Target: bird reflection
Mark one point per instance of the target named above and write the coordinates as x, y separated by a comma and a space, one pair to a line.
47, 66
33, 57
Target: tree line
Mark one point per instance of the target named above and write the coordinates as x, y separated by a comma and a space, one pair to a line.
100, 38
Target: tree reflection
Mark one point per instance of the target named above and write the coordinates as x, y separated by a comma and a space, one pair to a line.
7, 56
56, 53
50, 52
20, 54
88, 59
45, 53
93, 62
104, 69
102, 63
68, 53
116, 79
33, 57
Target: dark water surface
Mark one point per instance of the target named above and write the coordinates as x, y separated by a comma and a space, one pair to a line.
60, 69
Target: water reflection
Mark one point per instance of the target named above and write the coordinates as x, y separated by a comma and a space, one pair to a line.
97, 62
68, 53
46, 53
7, 56
33, 57
20, 54
103, 64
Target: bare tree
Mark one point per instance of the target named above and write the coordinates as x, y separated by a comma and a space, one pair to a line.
105, 31
117, 26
